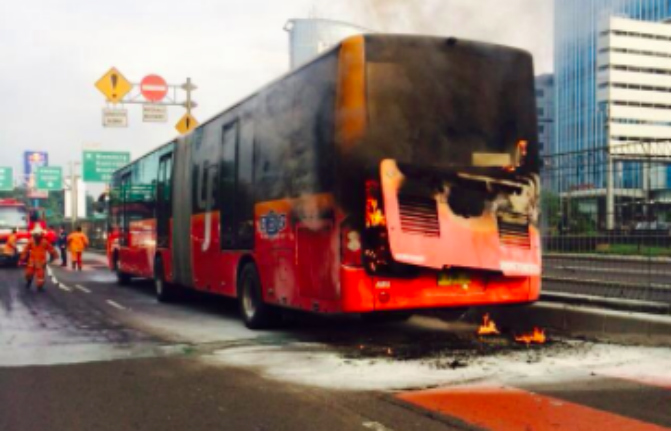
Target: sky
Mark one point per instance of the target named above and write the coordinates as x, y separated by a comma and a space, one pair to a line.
53, 51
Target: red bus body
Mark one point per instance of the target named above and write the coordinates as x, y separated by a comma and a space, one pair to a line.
305, 181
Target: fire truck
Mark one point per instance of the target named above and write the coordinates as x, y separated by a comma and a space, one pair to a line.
16, 215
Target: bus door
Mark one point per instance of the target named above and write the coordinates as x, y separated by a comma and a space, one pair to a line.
236, 206
124, 224
164, 202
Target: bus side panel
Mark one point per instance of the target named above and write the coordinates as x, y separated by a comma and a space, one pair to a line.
213, 269
138, 258
181, 226
275, 245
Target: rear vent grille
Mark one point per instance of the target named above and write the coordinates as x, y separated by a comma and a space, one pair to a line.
514, 231
419, 215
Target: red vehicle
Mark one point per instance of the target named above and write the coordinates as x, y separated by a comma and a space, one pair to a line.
16, 215
391, 174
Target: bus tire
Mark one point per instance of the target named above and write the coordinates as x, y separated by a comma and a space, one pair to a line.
256, 314
165, 292
122, 278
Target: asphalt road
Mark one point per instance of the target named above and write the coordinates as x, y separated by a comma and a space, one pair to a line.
89, 355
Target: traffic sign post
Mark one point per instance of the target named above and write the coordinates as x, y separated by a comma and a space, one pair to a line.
100, 165
153, 93
154, 113
154, 88
186, 124
114, 86
49, 178
115, 118
6, 179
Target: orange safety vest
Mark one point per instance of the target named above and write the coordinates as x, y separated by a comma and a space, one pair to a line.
10, 245
38, 253
77, 242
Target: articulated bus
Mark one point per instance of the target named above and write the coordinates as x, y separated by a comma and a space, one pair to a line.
389, 175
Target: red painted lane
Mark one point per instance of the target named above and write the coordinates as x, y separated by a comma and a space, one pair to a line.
510, 409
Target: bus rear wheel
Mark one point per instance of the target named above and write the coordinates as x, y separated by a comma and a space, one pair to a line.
121, 277
165, 292
255, 312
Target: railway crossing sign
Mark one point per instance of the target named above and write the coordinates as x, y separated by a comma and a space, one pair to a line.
114, 85
6, 179
49, 178
186, 124
100, 165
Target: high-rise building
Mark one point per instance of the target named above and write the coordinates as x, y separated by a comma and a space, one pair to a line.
310, 37
545, 106
579, 120
634, 82
587, 120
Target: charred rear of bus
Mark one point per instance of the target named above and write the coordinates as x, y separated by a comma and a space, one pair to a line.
442, 177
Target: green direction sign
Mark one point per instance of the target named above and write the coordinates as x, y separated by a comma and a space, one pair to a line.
140, 193
100, 165
6, 179
49, 178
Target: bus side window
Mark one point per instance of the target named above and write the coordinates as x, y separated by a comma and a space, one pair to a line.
123, 210
228, 184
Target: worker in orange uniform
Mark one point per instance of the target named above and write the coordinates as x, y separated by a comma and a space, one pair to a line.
36, 253
77, 242
10, 245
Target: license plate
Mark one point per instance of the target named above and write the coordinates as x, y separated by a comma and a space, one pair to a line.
453, 279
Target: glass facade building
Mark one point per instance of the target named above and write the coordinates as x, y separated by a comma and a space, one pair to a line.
579, 120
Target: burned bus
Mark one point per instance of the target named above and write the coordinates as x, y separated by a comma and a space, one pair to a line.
389, 175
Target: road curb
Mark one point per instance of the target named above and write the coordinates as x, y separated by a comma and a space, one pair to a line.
620, 304
585, 322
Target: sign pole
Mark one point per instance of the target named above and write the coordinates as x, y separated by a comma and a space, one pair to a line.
73, 195
189, 88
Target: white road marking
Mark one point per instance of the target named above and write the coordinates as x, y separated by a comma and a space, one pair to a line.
115, 305
64, 287
82, 288
375, 426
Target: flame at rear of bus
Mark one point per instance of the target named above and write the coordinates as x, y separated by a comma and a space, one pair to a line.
450, 155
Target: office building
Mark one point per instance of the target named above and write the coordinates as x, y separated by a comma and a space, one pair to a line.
545, 110
310, 37
589, 117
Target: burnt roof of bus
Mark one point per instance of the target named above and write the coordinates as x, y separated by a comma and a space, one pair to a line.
376, 37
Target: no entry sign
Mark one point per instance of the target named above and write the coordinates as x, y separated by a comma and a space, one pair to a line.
153, 88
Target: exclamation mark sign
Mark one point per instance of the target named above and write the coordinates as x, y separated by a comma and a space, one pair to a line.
115, 80
188, 123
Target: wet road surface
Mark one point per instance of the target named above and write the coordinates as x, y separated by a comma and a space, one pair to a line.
88, 354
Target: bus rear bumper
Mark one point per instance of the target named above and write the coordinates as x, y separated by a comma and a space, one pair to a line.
362, 293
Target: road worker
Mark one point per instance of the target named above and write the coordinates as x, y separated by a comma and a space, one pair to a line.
77, 242
38, 250
62, 243
10, 245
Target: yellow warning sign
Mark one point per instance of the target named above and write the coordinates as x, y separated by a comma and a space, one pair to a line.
114, 85
186, 124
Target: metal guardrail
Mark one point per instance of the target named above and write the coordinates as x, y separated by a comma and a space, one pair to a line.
607, 225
